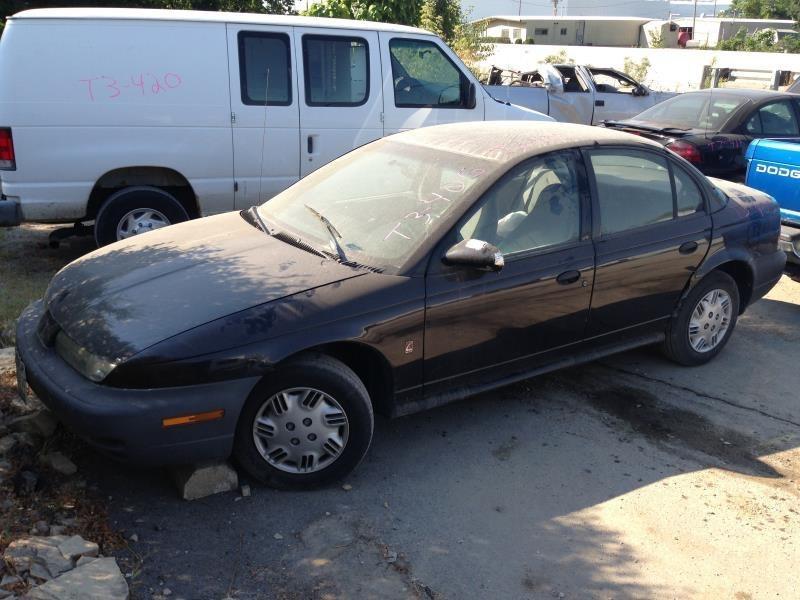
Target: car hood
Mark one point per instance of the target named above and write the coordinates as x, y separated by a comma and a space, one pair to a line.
123, 298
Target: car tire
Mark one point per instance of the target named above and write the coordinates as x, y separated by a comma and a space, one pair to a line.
704, 321
274, 434
135, 210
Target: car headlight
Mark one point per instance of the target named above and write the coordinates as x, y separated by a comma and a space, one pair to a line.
84, 362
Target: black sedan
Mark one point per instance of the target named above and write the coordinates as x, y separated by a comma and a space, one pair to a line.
412, 272
712, 128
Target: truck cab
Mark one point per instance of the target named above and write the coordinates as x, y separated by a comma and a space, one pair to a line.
773, 166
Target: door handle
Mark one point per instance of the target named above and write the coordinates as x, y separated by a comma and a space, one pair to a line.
568, 277
599, 102
310, 144
688, 248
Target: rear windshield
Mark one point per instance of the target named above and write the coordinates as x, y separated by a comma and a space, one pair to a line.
694, 111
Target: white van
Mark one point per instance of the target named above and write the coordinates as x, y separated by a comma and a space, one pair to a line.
135, 119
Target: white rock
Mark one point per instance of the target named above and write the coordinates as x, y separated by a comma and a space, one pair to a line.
205, 480
85, 560
59, 462
101, 579
22, 554
7, 362
75, 547
7, 443
41, 422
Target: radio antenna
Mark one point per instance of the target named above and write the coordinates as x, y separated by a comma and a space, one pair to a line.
263, 137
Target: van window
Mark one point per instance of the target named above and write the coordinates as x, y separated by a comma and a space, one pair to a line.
425, 77
264, 67
336, 70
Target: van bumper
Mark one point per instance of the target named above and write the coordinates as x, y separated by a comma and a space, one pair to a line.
10, 213
126, 424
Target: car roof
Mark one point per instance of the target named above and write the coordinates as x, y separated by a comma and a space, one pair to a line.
143, 14
509, 142
743, 93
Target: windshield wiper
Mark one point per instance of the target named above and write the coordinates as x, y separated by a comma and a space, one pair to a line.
262, 224
332, 232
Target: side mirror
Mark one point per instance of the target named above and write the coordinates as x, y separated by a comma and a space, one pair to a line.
476, 254
640, 90
472, 100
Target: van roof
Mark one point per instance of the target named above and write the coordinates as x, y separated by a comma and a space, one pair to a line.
142, 14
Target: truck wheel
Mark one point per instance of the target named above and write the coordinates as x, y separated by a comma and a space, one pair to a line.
136, 210
704, 322
307, 424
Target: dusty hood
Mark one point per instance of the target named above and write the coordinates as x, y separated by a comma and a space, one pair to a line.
130, 295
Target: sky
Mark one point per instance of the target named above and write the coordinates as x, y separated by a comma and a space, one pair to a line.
655, 9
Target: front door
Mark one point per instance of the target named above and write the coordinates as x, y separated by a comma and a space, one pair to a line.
339, 91
423, 84
483, 325
265, 112
652, 230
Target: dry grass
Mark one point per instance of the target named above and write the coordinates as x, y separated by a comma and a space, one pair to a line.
27, 264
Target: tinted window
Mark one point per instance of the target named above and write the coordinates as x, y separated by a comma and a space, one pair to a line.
689, 199
336, 70
424, 76
633, 189
699, 110
534, 206
264, 68
773, 119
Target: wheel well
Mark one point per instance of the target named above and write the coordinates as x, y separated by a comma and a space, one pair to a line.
168, 180
741, 274
371, 368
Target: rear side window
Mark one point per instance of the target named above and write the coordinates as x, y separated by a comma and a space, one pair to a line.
777, 118
633, 189
264, 68
336, 70
424, 76
688, 198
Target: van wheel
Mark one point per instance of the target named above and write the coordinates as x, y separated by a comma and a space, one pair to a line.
306, 425
704, 322
136, 210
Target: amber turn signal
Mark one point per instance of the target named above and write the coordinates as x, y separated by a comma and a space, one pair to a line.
212, 415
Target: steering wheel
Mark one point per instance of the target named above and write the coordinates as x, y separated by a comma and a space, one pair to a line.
405, 83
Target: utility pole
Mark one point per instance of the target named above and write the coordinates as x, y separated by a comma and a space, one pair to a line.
694, 18
555, 7
519, 10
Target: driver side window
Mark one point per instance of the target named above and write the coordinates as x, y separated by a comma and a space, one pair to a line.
424, 76
534, 206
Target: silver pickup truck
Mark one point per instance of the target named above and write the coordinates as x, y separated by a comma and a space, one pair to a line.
574, 93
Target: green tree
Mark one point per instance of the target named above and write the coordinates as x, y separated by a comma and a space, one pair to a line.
9, 7
404, 12
765, 9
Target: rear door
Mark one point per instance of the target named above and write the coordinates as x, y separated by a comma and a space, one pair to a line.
265, 114
340, 93
651, 230
423, 84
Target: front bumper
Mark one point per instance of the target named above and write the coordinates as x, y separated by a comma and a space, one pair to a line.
124, 423
789, 242
10, 213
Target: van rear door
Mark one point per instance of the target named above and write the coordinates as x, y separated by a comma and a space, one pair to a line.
266, 147
339, 92
424, 84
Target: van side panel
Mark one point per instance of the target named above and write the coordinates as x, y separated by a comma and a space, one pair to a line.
85, 97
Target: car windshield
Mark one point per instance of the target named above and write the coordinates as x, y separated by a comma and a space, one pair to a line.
693, 111
384, 200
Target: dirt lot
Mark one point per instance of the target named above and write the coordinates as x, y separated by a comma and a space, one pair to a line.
626, 478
